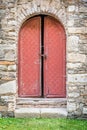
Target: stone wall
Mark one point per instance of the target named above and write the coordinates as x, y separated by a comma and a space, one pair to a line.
77, 58
73, 16
7, 58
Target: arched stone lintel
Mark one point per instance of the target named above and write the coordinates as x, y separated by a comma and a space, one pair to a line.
26, 12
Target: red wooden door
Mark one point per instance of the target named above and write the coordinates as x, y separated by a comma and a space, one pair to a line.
29, 61
40, 76
54, 65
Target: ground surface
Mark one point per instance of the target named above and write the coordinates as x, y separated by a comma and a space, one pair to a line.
42, 124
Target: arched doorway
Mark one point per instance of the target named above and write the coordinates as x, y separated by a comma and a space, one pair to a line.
41, 70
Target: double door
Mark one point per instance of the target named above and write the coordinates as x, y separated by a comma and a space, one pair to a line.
41, 66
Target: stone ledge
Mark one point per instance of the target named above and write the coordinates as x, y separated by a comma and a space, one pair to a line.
53, 112
8, 88
27, 113
40, 112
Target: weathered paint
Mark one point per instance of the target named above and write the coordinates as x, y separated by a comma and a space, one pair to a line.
30, 84
54, 66
29, 48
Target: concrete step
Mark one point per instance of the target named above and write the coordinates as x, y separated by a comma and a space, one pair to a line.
40, 112
41, 102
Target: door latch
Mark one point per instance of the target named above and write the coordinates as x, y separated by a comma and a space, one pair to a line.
43, 55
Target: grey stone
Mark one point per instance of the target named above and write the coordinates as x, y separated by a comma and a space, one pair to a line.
10, 55
12, 33
6, 76
77, 30
74, 65
27, 113
76, 57
85, 110
83, 48
8, 88
6, 46
70, 23
74, 94
0, 41
77, 78
53, 112
71, 107
71, 8
12, 22
12, 67
73, 43
40, 112
2, 55
83, 9
78, 112
3, 67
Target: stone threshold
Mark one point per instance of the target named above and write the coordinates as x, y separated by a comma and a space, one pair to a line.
27, 100
41, 102
41, 112
43, 99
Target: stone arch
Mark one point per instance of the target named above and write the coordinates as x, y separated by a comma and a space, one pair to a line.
53, 8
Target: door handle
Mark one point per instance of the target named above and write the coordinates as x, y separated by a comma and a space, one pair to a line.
43, 55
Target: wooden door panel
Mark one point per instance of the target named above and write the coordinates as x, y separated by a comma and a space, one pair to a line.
54, 65
29, 62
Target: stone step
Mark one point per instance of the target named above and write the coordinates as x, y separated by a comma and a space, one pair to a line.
41, 113
41, 102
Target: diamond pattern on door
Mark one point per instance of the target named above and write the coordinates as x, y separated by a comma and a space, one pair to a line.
29, 62
41, 72
54, 66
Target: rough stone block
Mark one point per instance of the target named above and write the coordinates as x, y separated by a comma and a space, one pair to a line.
7, 75
77, 78
83, 48
3, 67
0, 41
71, 107
85, 110
77, 30
12, 22
71, 8
74, 94
6, 47
12, 67
12, 34
2, 55
83, 9
11, 106
74, 65
72, 43
10, 55
8, 88
72, 88
3, 108
70, 23
76, 57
